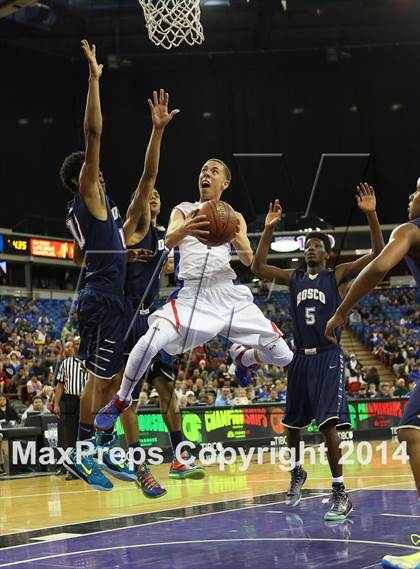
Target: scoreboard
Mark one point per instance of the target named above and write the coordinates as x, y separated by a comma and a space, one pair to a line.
36, 247
16, 245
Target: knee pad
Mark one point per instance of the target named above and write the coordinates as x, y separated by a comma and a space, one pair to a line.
276, 352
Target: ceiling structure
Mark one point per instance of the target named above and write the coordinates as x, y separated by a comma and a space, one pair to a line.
336, 75
239, 27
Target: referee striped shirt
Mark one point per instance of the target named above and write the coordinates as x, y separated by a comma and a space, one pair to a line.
72, 375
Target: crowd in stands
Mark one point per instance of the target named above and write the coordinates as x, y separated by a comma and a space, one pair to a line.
31, 341
388, 322
33, 333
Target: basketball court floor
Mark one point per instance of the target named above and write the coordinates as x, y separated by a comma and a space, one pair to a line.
229, 519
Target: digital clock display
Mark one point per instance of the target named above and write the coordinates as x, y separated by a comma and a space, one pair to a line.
16, 245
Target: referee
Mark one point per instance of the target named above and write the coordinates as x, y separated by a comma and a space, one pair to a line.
70, 382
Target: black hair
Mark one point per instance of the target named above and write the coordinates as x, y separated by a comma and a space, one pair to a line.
70, 169
322, 237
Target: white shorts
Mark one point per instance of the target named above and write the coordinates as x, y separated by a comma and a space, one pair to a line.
220, 308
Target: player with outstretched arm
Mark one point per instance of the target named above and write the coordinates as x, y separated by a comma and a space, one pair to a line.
315, 388
403, 243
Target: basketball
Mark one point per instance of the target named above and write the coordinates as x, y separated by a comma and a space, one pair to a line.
223, 221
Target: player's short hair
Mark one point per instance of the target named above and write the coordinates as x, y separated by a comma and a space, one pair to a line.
70, 169
322, 237
228, 173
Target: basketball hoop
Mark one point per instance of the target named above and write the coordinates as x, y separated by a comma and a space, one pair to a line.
171, 22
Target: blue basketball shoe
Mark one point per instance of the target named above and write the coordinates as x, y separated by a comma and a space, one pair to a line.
114, 465
87, 470
107, 416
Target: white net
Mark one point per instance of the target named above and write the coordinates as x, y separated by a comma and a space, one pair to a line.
171, 22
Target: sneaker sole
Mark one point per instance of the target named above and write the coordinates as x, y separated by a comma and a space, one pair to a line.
391, 564
338, 518
388, 564
150, 497
293, 504
198, 474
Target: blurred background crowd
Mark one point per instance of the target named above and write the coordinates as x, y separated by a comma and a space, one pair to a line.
35, 333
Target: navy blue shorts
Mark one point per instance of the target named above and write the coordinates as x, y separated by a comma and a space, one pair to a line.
411, 415
101, 326
316, 390
136, 327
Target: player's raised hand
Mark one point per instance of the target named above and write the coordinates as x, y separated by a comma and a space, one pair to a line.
90, 54
196, 225
337, 321
159, 109
273, 216
365, 196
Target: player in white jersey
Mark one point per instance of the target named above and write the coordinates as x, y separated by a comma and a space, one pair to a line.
208, 303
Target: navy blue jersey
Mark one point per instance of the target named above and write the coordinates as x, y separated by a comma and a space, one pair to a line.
312, 303
103, 243
414, 264
142, 282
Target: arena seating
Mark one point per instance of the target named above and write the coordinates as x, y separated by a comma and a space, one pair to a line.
385, 320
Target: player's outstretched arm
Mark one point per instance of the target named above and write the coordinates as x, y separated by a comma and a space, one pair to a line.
138, 213
401, 240
180, 226
259, 265
241, 242
366, 201
89, 185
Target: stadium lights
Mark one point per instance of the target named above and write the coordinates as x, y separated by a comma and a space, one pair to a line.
289, 244
286, 244
215, 2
